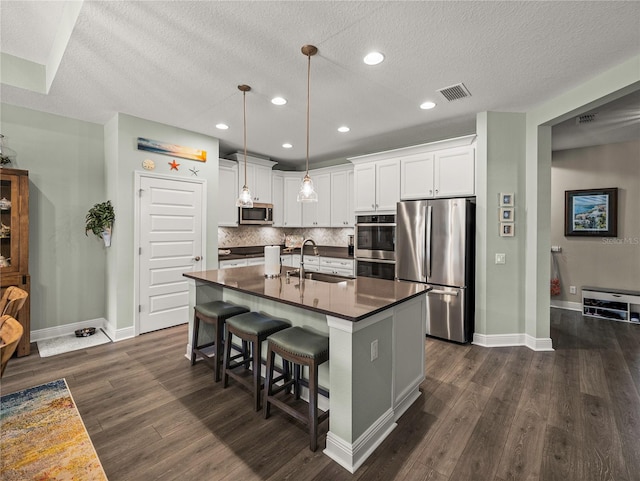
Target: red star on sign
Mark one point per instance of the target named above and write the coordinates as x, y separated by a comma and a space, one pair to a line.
174, 165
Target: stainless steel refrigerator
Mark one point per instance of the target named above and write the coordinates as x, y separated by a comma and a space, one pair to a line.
435, 244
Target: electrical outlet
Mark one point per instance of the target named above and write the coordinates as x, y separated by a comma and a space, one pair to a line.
501, 258
374, 350
572, 289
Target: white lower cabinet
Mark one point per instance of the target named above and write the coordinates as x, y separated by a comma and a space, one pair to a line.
255, 261
311, 263
228, 264
251, 261
337, 266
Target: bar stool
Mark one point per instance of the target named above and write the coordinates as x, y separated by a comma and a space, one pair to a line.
302, 348
252, 328
214, 313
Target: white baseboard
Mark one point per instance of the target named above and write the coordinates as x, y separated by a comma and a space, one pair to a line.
518, 339
66, 329
352, 455
119, 334
570, 306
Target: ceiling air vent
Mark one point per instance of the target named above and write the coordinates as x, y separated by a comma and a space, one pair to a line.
585, 119
455, 92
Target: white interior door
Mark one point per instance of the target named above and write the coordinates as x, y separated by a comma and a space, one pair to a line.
171, 241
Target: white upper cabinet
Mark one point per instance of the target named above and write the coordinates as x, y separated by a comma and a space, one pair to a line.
376, 185
438, 169
416, 176
277, 198
455, 172
291, 208
258, 177
342, 198
227, 193
318, 214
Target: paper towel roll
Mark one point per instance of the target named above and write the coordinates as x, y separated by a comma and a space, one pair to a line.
271, 261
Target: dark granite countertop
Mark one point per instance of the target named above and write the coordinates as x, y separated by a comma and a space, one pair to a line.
351, 299
258, 251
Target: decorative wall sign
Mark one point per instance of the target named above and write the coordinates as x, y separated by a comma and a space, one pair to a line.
174, 165
170, 149
591, 212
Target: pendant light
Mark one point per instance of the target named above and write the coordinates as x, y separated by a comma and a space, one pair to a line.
307, 192
245, 199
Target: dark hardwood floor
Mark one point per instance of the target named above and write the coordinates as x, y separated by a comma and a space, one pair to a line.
485, 414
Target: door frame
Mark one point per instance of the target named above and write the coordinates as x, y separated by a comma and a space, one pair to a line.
136, 231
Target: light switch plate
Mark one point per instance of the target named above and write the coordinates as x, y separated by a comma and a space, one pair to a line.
501, 258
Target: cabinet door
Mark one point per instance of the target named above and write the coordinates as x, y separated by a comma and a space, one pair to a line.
364, 185
416, 177
262, 192
318, 214
455, 172
227, 195
277, 198
387, 185
232, 263
342, 199
292, 208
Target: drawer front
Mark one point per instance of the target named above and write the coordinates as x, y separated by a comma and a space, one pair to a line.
608, 296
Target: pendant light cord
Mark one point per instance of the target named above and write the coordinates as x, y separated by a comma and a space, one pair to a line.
308, 105
244, 119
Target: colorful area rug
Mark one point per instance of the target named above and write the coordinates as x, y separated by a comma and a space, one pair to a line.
43, 438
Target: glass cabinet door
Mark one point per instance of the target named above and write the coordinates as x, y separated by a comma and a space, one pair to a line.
9, 228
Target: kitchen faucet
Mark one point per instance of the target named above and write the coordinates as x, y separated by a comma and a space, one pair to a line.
315, 253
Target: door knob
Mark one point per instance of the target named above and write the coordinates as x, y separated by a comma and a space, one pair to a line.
197, 258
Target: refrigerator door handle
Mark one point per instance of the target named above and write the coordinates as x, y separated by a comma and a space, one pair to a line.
444, 293
429, 213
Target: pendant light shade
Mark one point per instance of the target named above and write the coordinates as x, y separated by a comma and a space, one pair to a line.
245, 199
307, 192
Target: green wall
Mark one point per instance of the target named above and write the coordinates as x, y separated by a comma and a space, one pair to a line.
64, 158
501, 155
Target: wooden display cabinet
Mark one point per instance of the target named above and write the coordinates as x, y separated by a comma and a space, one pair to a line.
14, 243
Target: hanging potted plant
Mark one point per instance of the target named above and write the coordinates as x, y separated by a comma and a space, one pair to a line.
100, 220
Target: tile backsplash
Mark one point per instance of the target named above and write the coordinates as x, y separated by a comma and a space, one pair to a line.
244, 236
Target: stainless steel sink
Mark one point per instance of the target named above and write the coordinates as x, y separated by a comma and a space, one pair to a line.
322, 277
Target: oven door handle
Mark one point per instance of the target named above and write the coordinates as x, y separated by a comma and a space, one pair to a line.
376, 225
376, 261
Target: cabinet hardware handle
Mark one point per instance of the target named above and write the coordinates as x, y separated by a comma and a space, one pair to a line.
197, 258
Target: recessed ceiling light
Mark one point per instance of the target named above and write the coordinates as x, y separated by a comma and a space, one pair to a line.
287, 145
344, 128
222, 126
427, 105
373, 58
278, 101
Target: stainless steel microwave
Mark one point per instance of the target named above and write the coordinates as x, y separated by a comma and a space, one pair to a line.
259, 214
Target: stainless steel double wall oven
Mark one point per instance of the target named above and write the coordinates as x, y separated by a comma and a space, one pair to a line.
375, 246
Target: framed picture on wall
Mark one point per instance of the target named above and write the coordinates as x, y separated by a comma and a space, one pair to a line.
506, 199
507, 229
506, 214
591, 212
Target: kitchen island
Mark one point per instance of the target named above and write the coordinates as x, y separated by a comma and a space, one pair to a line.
376, 332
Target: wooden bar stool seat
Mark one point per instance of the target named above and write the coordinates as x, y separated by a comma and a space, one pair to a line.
302, 348
253, 329
214, 313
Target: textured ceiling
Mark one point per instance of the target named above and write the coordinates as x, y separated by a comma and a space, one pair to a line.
179, 63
